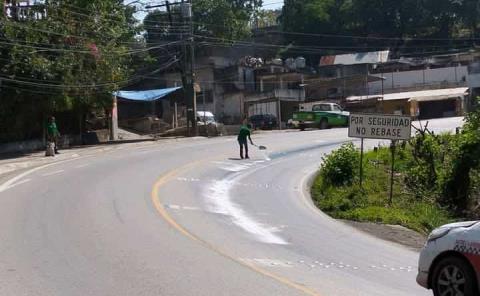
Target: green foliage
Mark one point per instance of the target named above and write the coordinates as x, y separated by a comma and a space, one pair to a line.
465, 159
369, 203
339, 167
224, 19
400, 20
71, 59
437, 178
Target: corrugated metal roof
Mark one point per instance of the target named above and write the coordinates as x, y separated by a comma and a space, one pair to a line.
374, 57
423, 95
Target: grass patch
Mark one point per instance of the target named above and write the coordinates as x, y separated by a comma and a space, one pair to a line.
371, 203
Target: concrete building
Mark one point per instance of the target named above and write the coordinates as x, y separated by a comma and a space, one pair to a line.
276, 89
424, 87
424, 104
426, 78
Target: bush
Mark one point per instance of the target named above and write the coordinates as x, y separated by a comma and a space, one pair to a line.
437, 179
413, 206
339, 167
456, 185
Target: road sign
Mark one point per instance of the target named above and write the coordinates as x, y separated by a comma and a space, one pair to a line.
379, 126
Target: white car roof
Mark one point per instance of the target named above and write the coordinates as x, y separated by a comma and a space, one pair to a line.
204, 113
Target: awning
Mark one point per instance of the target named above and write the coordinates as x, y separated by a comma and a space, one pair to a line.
146, 95
424, 95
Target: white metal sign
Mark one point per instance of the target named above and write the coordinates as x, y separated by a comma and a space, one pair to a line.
378, 126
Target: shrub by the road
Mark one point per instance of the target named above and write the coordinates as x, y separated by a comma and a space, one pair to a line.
437, 180
339, 167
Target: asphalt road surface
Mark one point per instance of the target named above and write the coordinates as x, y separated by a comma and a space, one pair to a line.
191, 219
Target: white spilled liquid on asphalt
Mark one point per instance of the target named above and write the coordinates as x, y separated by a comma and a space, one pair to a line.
220, 201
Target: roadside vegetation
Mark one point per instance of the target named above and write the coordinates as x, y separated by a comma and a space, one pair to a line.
437, 180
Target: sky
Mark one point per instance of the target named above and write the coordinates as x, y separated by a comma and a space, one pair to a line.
267, 4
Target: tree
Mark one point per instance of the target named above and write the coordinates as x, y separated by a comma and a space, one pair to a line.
470, 11
224, 19
380, 24
229, 19
71, 59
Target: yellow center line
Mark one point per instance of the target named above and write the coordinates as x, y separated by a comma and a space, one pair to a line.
169, 219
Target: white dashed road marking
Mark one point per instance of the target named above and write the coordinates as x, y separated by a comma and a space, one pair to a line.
320, 265
184, 208
81, 166
267, 262
53, 173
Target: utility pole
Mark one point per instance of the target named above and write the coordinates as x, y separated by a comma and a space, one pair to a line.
188, 61
188, 72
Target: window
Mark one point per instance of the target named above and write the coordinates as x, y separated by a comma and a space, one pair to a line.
321, 107
206, 95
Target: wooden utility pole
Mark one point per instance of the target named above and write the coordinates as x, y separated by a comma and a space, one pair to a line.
188, 62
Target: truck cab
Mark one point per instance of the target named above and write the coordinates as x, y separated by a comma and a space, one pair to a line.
319, 115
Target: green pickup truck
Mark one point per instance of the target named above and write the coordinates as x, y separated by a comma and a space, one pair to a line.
322, 116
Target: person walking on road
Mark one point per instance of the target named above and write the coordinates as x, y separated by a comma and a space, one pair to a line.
52, 133
242, 140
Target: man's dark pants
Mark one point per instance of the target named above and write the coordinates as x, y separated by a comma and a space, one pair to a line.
243, 143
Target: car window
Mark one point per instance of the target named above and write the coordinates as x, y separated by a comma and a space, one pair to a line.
336, 108
321, 107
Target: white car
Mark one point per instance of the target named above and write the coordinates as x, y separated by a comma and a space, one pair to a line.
205, 118
450, 261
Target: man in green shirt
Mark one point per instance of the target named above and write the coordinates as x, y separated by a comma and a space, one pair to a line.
242, 140
52, 133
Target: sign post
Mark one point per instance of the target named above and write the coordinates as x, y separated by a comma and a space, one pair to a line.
361, 164
392, 149
383, 127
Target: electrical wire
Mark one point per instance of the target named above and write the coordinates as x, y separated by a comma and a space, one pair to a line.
277, 32
128, 82
371, 37
84, 86
51, 49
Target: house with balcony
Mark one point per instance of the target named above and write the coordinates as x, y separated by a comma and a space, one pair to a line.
276, 88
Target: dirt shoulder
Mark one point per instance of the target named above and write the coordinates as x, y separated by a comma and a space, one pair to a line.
394, 233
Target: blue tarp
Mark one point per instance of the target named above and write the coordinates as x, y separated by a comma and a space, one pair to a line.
146, 95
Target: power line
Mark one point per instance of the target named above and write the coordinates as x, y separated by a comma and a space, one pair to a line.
336, 50
299, 47
274, 3
84, 51
371, 37
123, 83
347, 36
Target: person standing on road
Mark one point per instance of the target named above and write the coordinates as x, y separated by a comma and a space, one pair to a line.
52, 133
242, 140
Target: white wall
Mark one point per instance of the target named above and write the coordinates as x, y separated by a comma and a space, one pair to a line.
416, 78
474, 75
474, 80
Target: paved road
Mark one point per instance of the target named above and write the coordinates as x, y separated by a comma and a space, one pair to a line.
190, 219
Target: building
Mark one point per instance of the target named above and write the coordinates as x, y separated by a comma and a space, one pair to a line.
382, 75
346, 75
424, 87
423, 104
276, 88
22, 10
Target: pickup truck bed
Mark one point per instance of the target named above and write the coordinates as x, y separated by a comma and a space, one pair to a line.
320, 119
